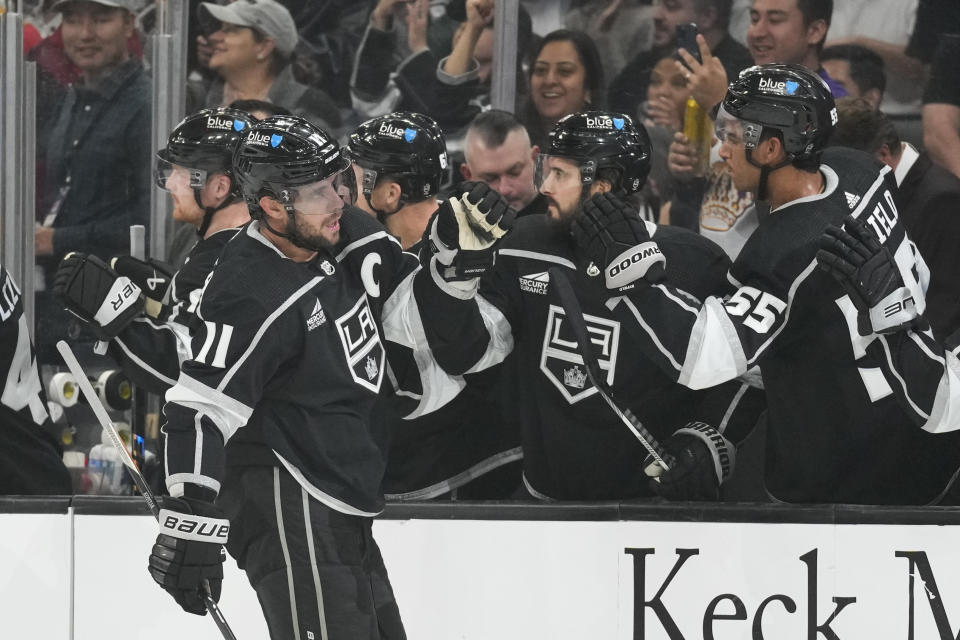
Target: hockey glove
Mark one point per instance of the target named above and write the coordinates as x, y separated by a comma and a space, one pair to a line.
189, 551
153, 277
96, 294
610, 234
465, 231
868, 273
704, 461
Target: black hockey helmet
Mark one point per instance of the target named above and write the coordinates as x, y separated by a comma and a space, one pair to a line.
280, 154
788, 98
203, 143
599, 140
409, 146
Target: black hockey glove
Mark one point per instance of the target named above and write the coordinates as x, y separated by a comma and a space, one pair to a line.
704, 461
466, 230
96, 294
153, 277
189, 551
610, 234
868, 273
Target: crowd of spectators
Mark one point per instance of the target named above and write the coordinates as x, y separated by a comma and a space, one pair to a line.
340, 63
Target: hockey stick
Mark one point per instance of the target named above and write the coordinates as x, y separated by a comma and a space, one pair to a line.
98, 409
571, 306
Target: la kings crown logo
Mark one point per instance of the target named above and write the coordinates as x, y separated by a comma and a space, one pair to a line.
560, 359
361, 345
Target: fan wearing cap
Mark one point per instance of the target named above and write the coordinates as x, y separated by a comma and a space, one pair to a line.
196, 169
574, 446
835, 432
97, 163
252, 44
270, 443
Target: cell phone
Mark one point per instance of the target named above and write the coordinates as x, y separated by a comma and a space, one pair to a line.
687, 39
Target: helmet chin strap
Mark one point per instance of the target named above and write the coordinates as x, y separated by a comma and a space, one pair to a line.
383, 214
765, 171
209, 212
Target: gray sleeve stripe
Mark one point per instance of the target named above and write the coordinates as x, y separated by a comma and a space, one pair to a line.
536, 255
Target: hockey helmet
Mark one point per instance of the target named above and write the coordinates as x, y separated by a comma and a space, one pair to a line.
788, 98
203, 143
408, 146
599, 140
280, 154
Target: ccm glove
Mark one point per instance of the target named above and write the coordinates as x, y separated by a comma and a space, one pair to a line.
868, 273
704, 461
189, 551
96, 294
612, 236
465, 231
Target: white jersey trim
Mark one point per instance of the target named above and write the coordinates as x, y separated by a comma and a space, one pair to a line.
142, 364
356, 244
536, 255
330, 501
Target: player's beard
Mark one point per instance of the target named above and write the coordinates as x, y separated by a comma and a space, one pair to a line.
563, 220
311, 241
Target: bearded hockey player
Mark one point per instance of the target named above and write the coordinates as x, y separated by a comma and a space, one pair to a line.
270, 446
574, 446
835, 431
467, 448
150, 330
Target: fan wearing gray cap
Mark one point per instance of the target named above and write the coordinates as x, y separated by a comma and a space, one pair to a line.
97, 145
252, 45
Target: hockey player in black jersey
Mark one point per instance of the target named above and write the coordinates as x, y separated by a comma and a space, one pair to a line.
923, 374
574, 446
30, 459
196, 169
835, 431
434, 450
270, 446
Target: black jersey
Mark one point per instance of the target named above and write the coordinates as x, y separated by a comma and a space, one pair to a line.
289, 359
835, 430
574, 446
151, 350
440, 441
30, 462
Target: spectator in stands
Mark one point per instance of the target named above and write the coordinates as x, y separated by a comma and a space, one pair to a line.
566, 76
858, 70
622, 29
498, 152
98, 156
252, 43
784, 31
883, 27
941, 106
663, 115
928, 202
629, 87
396, 64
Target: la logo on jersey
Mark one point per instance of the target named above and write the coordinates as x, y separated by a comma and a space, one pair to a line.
361, 345
560, 359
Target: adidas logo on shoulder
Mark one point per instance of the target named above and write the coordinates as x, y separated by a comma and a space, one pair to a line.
535, 283
852, 199
317, 317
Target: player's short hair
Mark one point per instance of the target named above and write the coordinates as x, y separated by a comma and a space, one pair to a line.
814, 10
866, 67
860, 126
492, 127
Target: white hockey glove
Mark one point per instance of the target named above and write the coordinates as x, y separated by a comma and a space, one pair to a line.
96, 294
868, 273
189, 551
704, 461
466, 230
611, 235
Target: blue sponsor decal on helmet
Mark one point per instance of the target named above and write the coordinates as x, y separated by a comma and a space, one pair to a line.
618, 123
792, 87
409, 134
275, 140
238, 125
